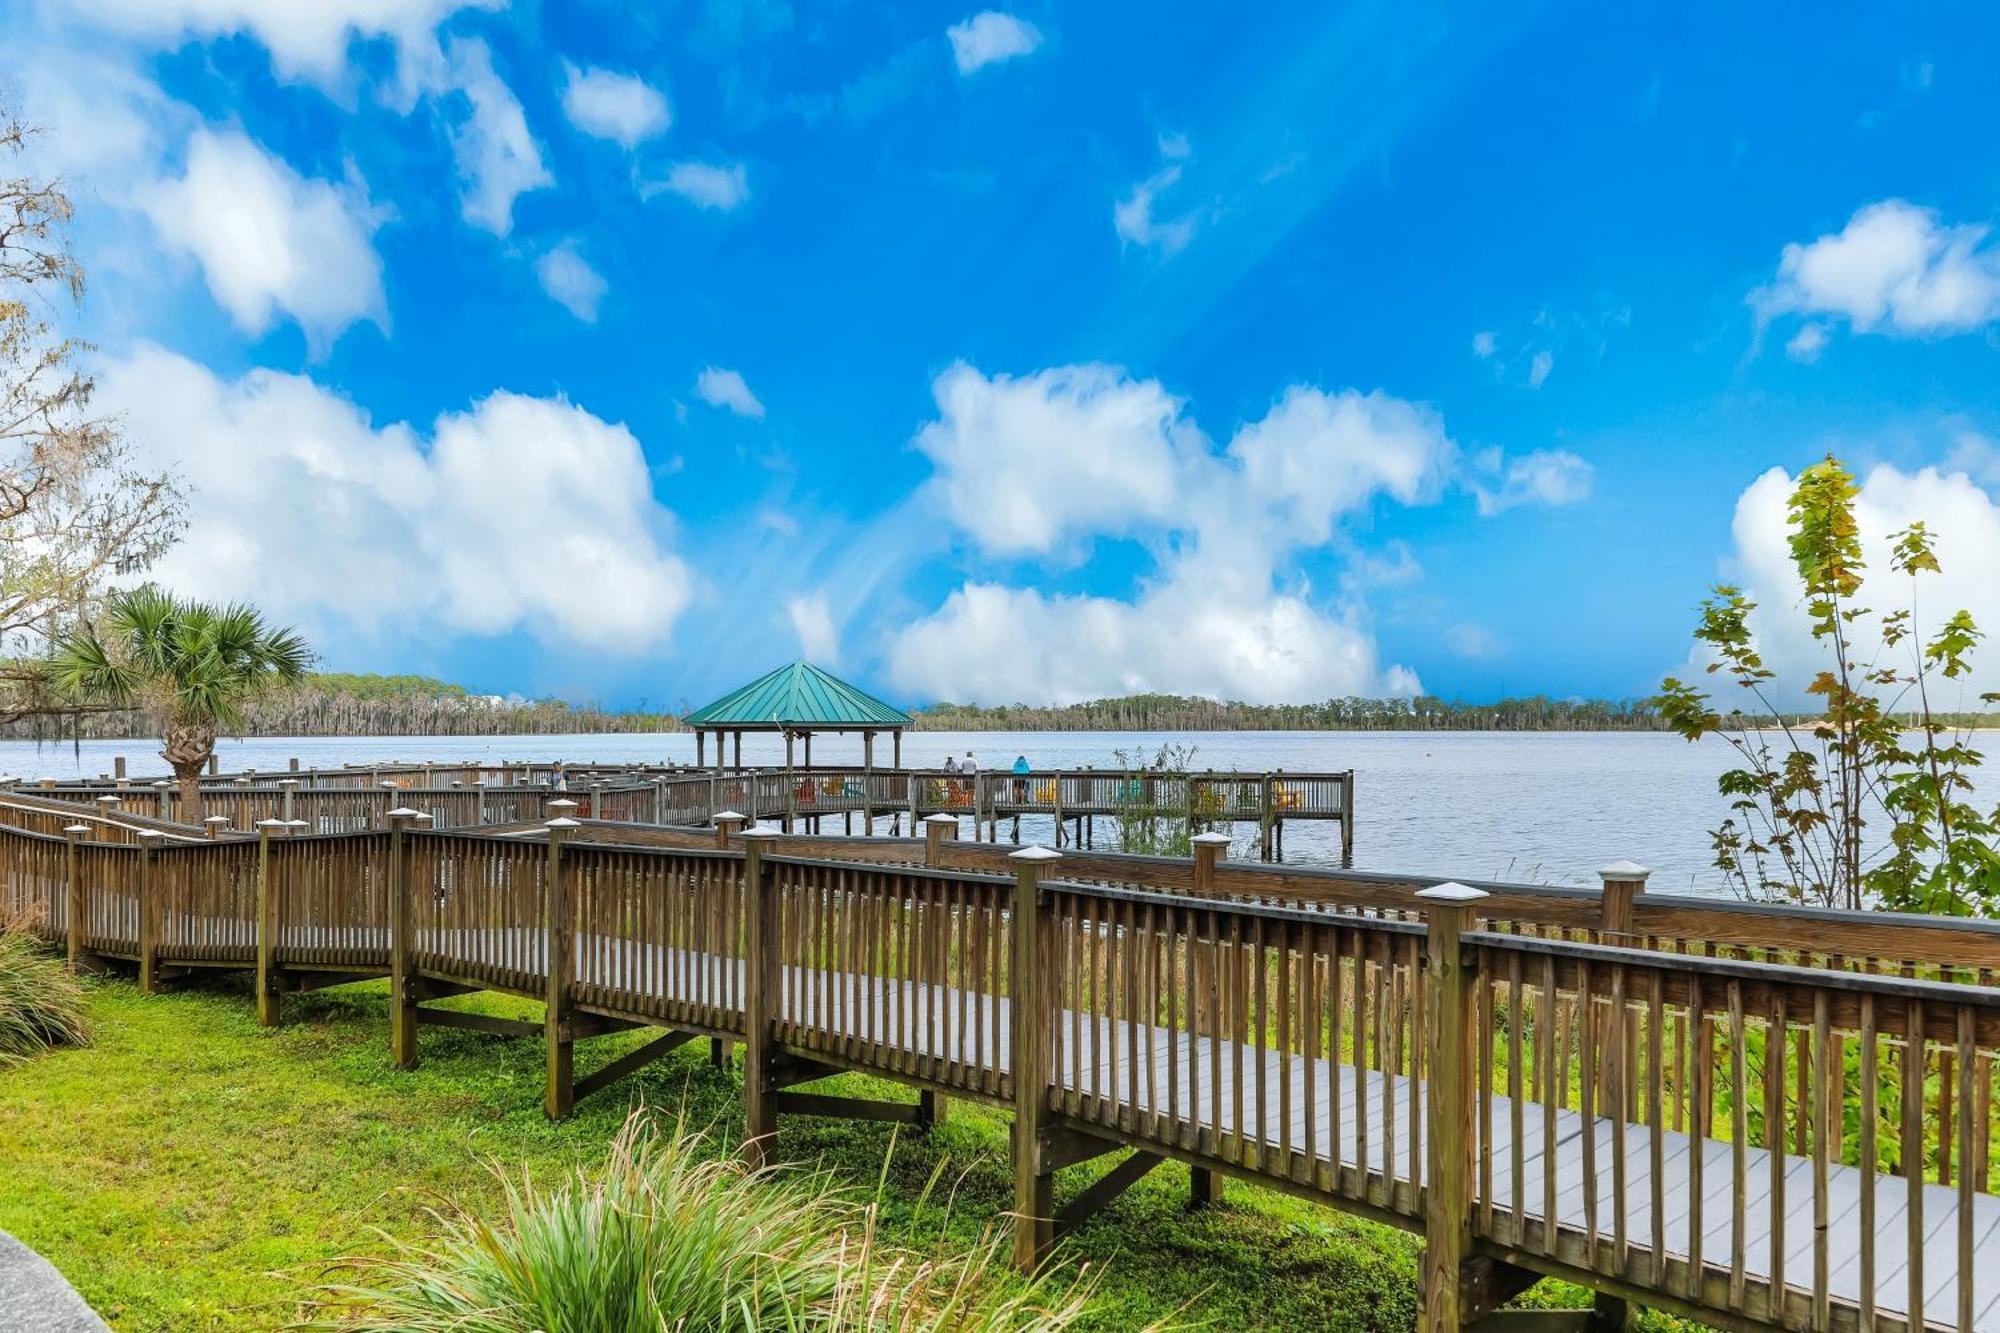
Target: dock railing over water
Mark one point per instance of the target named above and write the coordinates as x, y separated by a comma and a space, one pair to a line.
1759, 1117
463, 795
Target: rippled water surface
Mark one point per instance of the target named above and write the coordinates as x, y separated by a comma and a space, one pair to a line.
1529, 806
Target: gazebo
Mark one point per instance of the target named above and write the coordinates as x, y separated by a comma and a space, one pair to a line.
796, 700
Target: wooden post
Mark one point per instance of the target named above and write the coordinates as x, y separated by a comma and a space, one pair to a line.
1264, 816
267, 927
559, 1094
791, 786
1034, 1193
290, 787
118, 767
1205, 1186
760, 996
402, 942
728, 824
937, 828
149, 915
1618, 1035
1450, 1124
73, 891
1347, 818
1623, 882
214, 824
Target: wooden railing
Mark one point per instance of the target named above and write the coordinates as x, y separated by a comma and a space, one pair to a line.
1750, 1141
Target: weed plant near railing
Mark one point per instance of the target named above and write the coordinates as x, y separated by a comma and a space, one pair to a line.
667, 1235
41, 1004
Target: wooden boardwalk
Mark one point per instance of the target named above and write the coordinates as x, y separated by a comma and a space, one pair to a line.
1776, 1141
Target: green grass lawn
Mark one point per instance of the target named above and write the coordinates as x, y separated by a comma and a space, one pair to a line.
191, 1170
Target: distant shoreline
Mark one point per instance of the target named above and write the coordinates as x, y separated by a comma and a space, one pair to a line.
358, 706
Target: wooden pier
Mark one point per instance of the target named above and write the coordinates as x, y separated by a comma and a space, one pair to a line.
1078, 803
1758, 1117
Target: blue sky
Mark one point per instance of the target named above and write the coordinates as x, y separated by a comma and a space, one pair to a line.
621, 352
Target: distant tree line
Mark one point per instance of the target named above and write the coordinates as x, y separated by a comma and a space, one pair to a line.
366, 705
1173, 712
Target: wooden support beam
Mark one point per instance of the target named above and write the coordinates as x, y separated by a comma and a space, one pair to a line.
453, 1018
845, 1108
1535, 1321
583, 1025
1063, 1146
630, 1062
1487, 1283
1103, 1190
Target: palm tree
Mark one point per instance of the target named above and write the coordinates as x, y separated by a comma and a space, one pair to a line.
192, 663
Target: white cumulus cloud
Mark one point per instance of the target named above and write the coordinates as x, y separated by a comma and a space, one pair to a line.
812, 624
307, 39
1039, 464
1541, 476
1964, 520
498, 158
1895, 268
270, 240
1027, 463
710, 185
571, 281
620, 107
1132, 217
991, 37
724, 388
520, 514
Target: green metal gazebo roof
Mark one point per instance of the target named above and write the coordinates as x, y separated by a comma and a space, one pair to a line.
799, 697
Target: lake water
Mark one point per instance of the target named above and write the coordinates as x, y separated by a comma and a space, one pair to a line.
1546, 807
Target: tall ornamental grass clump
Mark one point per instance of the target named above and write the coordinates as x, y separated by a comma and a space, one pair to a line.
41, 1004
669, 1235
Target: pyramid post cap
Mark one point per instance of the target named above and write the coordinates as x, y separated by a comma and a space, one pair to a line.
157, 782
290, 782
942, 818
403, 812
727, 815
76, 828
1035, 854
216, 819
148, 834
563, 803
108, 799
270, 823
564, 821
297, 823
761, 831
1623, 870
1451, 891
1210, 840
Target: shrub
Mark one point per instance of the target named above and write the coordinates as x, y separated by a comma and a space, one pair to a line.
41, 1004
668, 1235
